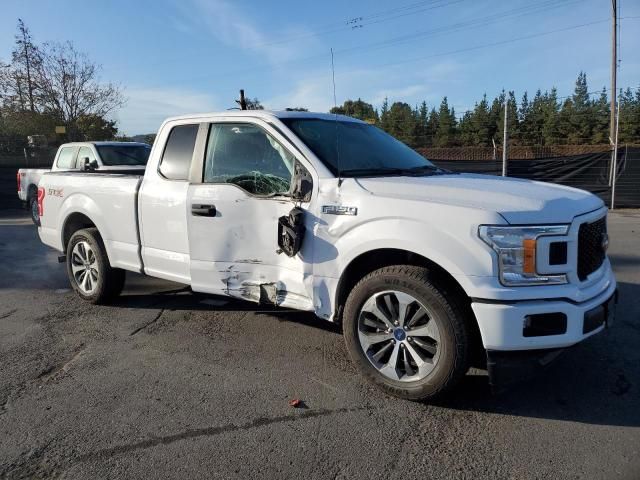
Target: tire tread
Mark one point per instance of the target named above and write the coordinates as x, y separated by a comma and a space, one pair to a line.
450, 300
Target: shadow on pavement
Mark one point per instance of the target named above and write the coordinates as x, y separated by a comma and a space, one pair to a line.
595, 382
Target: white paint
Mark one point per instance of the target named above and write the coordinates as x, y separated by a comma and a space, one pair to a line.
234, 253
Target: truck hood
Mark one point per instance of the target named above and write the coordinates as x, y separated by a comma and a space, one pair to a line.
518, 201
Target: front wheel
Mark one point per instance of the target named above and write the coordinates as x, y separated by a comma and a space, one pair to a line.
406, 334
88, 268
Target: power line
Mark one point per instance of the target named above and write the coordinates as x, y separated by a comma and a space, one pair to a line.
544, 6
493, 44
361, 21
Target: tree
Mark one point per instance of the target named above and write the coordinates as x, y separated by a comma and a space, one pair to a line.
26, 59
400, 122
422, 125
629, 122
549, 119
358, 109
446, 129
600, 109
18, 80
253, 104
384, 115
95, 127
475, 127
70, 87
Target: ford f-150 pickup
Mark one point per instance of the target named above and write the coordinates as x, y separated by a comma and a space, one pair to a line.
426, 270
87, 156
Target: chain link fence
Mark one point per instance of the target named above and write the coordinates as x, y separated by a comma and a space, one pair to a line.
589, 170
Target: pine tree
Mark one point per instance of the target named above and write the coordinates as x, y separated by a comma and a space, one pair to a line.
629, 122
525, 118
445, 132
550, 122
384, 115
600, 127
422, 119
402, 123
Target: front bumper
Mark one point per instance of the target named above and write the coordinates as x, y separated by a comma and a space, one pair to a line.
502, 324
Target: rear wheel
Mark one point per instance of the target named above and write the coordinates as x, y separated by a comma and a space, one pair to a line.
32, 204
88, 268
406, 334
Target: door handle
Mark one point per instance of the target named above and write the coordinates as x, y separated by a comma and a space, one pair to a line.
203, 210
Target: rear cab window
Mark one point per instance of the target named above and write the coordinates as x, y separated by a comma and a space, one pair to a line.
66, 158
123, 154
178, 152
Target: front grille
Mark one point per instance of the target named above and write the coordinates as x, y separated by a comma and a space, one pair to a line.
591, 248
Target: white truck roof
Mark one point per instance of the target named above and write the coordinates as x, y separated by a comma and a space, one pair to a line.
100, 144
265, 114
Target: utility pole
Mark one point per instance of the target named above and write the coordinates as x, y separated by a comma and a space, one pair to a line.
613, 131
615, 161
505, 137
614, 68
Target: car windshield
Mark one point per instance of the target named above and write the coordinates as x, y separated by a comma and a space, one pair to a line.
124, 154
354, 149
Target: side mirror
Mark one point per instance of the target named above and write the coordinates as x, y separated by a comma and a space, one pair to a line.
88, 165
303, 184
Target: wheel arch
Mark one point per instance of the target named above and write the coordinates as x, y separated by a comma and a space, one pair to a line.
73, 222
371, 260
32, 190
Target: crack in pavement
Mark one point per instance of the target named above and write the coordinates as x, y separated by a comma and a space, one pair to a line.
8, 314
148, 324
212, 431
64, 367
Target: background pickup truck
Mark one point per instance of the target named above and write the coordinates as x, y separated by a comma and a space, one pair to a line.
87, 156
427, 271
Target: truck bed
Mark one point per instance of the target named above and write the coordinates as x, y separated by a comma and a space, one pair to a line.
108, 199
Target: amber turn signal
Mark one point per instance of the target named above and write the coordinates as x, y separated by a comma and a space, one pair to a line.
529, 246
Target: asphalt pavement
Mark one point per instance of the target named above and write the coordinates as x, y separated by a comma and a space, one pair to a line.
165, 383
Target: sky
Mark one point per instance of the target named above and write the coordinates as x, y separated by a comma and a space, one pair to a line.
173, 57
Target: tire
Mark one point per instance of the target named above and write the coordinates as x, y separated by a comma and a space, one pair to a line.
32, 204
88, 268
424, 368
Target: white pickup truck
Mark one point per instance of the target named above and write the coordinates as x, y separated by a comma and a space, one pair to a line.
112, 156
423, 268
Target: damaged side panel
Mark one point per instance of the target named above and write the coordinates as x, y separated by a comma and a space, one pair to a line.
254, 286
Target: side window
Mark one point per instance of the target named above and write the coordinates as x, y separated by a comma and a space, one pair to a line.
176, 159
66, 158
84, 152
247, 156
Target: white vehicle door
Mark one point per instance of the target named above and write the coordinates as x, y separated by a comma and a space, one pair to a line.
163, 207
233, 224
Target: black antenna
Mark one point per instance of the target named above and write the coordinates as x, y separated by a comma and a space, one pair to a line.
335, 112
242, 102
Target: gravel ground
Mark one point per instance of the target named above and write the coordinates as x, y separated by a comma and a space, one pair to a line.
168, 383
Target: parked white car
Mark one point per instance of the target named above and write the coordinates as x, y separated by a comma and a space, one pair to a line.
112, 156
324, 213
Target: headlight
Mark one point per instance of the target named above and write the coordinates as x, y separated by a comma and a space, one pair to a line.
516, 249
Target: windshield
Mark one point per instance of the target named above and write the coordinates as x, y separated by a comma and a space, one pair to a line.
124, 154
361, 149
